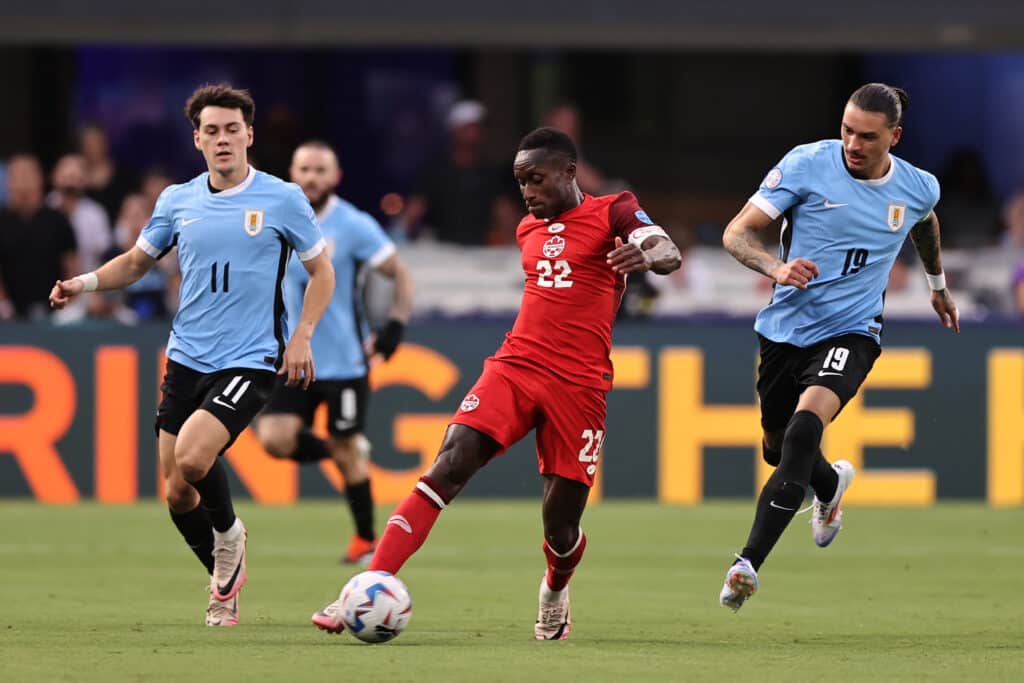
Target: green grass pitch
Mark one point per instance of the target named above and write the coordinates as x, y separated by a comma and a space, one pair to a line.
92, 593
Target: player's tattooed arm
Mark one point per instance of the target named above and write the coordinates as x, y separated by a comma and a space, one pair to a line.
925, 236
744, 239
747, 246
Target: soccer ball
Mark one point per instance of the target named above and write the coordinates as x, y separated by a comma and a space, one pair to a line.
375, 606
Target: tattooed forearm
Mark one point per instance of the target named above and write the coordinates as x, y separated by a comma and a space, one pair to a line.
747, 247
925, 236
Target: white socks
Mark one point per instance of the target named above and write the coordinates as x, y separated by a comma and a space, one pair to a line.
548, 595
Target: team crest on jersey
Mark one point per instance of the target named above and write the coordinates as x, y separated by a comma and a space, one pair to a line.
554, 246
773, 178
470, 403
556, 227
253, 221
897, 213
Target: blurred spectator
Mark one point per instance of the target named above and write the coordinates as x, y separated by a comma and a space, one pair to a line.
1018, 289
461, 198
87, 217
639, 297
154, 296
106, 182
154, 181
566, 118
968, 210
280, 132
37, 244
1013, 219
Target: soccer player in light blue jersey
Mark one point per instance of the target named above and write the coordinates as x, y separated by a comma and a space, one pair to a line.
848, 206
341, 345
235, 229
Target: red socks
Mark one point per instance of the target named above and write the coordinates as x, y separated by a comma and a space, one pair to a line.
561, 567
412, 520
408, 527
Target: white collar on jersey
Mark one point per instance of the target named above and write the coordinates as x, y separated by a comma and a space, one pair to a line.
332, 203
875, 182
240, 187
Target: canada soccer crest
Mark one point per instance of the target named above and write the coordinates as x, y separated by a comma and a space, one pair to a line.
253, 221
897, 214
470, 403
554, 246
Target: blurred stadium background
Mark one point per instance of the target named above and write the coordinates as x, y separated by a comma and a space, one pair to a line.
686, 103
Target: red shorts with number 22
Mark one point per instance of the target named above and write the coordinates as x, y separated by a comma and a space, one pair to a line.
509, 399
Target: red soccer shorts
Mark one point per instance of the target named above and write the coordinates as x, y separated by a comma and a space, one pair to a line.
508, 400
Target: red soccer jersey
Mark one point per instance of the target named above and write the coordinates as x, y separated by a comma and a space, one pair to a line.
572, 294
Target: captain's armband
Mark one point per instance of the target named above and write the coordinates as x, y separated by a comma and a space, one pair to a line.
638, 236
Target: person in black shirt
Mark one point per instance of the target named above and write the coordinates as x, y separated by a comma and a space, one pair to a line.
37, 244
106, 181
460, 198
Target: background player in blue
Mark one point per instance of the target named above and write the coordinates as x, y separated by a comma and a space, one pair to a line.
848, 206
341, 344
233, 226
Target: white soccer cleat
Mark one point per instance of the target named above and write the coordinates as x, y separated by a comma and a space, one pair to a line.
553, 622
740, 584
229, 573
329, 618
221, 612
827, 519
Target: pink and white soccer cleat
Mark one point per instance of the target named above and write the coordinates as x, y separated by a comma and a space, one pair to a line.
222, 612
553, 622
229, 574
329, 618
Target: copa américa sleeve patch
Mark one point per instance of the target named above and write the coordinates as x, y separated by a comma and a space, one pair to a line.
642, 216
773, 178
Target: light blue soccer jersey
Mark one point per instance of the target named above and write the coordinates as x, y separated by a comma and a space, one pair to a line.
353, 238
233, 249
852, 229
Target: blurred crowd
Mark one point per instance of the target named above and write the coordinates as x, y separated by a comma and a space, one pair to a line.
84, 211
87, 208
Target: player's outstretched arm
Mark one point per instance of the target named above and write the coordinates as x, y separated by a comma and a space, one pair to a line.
925, 236
116, 273
387, 339
744, 239
298, 355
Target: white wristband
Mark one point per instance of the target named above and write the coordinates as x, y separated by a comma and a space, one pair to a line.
936, 282
638, 236
89, 281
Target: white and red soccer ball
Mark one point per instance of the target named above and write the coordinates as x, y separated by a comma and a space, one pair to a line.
376, 606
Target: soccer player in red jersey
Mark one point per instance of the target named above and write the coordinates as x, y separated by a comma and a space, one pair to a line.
551, 374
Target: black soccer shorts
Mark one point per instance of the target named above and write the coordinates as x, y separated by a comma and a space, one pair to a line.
234, 396
346, 403
841, 364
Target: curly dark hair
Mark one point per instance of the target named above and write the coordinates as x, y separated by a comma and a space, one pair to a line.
219, 95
